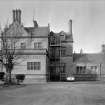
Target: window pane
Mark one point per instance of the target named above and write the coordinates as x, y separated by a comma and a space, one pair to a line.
63, 51
32, 65
23, 45
35, 45
39, 45
28, 65
38, 66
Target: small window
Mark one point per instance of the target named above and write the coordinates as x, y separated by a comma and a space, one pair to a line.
81, 69
53, 40
93, 67
63, 52
63, 67
37, 45
62, 37
23, 45
33, 65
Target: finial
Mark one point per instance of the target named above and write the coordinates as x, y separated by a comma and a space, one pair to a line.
33, 14
48, 24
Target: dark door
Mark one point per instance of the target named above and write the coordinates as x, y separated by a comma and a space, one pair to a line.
54, 74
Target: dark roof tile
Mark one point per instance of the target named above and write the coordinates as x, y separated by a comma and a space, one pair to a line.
40, 31
96, 58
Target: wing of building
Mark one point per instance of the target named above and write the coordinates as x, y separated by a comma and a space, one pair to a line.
60, 55
31, 48
88, 65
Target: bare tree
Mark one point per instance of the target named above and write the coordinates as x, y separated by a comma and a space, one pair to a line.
9, 53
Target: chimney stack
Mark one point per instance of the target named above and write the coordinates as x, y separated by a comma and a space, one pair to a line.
35, 24
14, 15
103, 48
70, 26
17, 15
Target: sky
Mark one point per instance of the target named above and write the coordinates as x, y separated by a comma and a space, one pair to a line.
88, 19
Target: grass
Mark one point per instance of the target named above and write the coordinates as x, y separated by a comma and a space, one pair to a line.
69, 93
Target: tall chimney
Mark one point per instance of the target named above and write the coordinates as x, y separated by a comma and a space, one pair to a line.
14, 15
35, 24
103, 48
70, 26
17, 15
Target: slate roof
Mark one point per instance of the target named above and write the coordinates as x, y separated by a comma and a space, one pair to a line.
94, 58
40, 31
29, 29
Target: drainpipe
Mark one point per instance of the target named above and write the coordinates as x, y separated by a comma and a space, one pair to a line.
100, 70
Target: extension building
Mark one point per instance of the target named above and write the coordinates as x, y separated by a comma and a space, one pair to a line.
90, 66
60, 55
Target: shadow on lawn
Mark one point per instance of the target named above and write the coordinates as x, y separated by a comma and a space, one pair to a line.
11, 86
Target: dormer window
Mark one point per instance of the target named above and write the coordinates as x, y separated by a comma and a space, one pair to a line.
37, 45
63, 52
62, 37
23, 45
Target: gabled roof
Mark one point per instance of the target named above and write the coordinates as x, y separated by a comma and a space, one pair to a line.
16, 30
68, 36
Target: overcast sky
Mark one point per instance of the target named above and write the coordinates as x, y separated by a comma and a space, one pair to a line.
88, 18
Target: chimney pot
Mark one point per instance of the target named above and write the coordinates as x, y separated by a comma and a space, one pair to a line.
103, 48
70, 26
35, 23
14, 15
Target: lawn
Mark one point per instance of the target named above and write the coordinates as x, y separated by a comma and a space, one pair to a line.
54, 94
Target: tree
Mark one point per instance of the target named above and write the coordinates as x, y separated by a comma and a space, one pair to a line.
9, 54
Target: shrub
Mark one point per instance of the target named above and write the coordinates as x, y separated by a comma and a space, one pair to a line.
2, 75
85, 77
20, 77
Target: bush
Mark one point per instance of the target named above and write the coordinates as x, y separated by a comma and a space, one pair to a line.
85, 77
2, 75
20, 77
